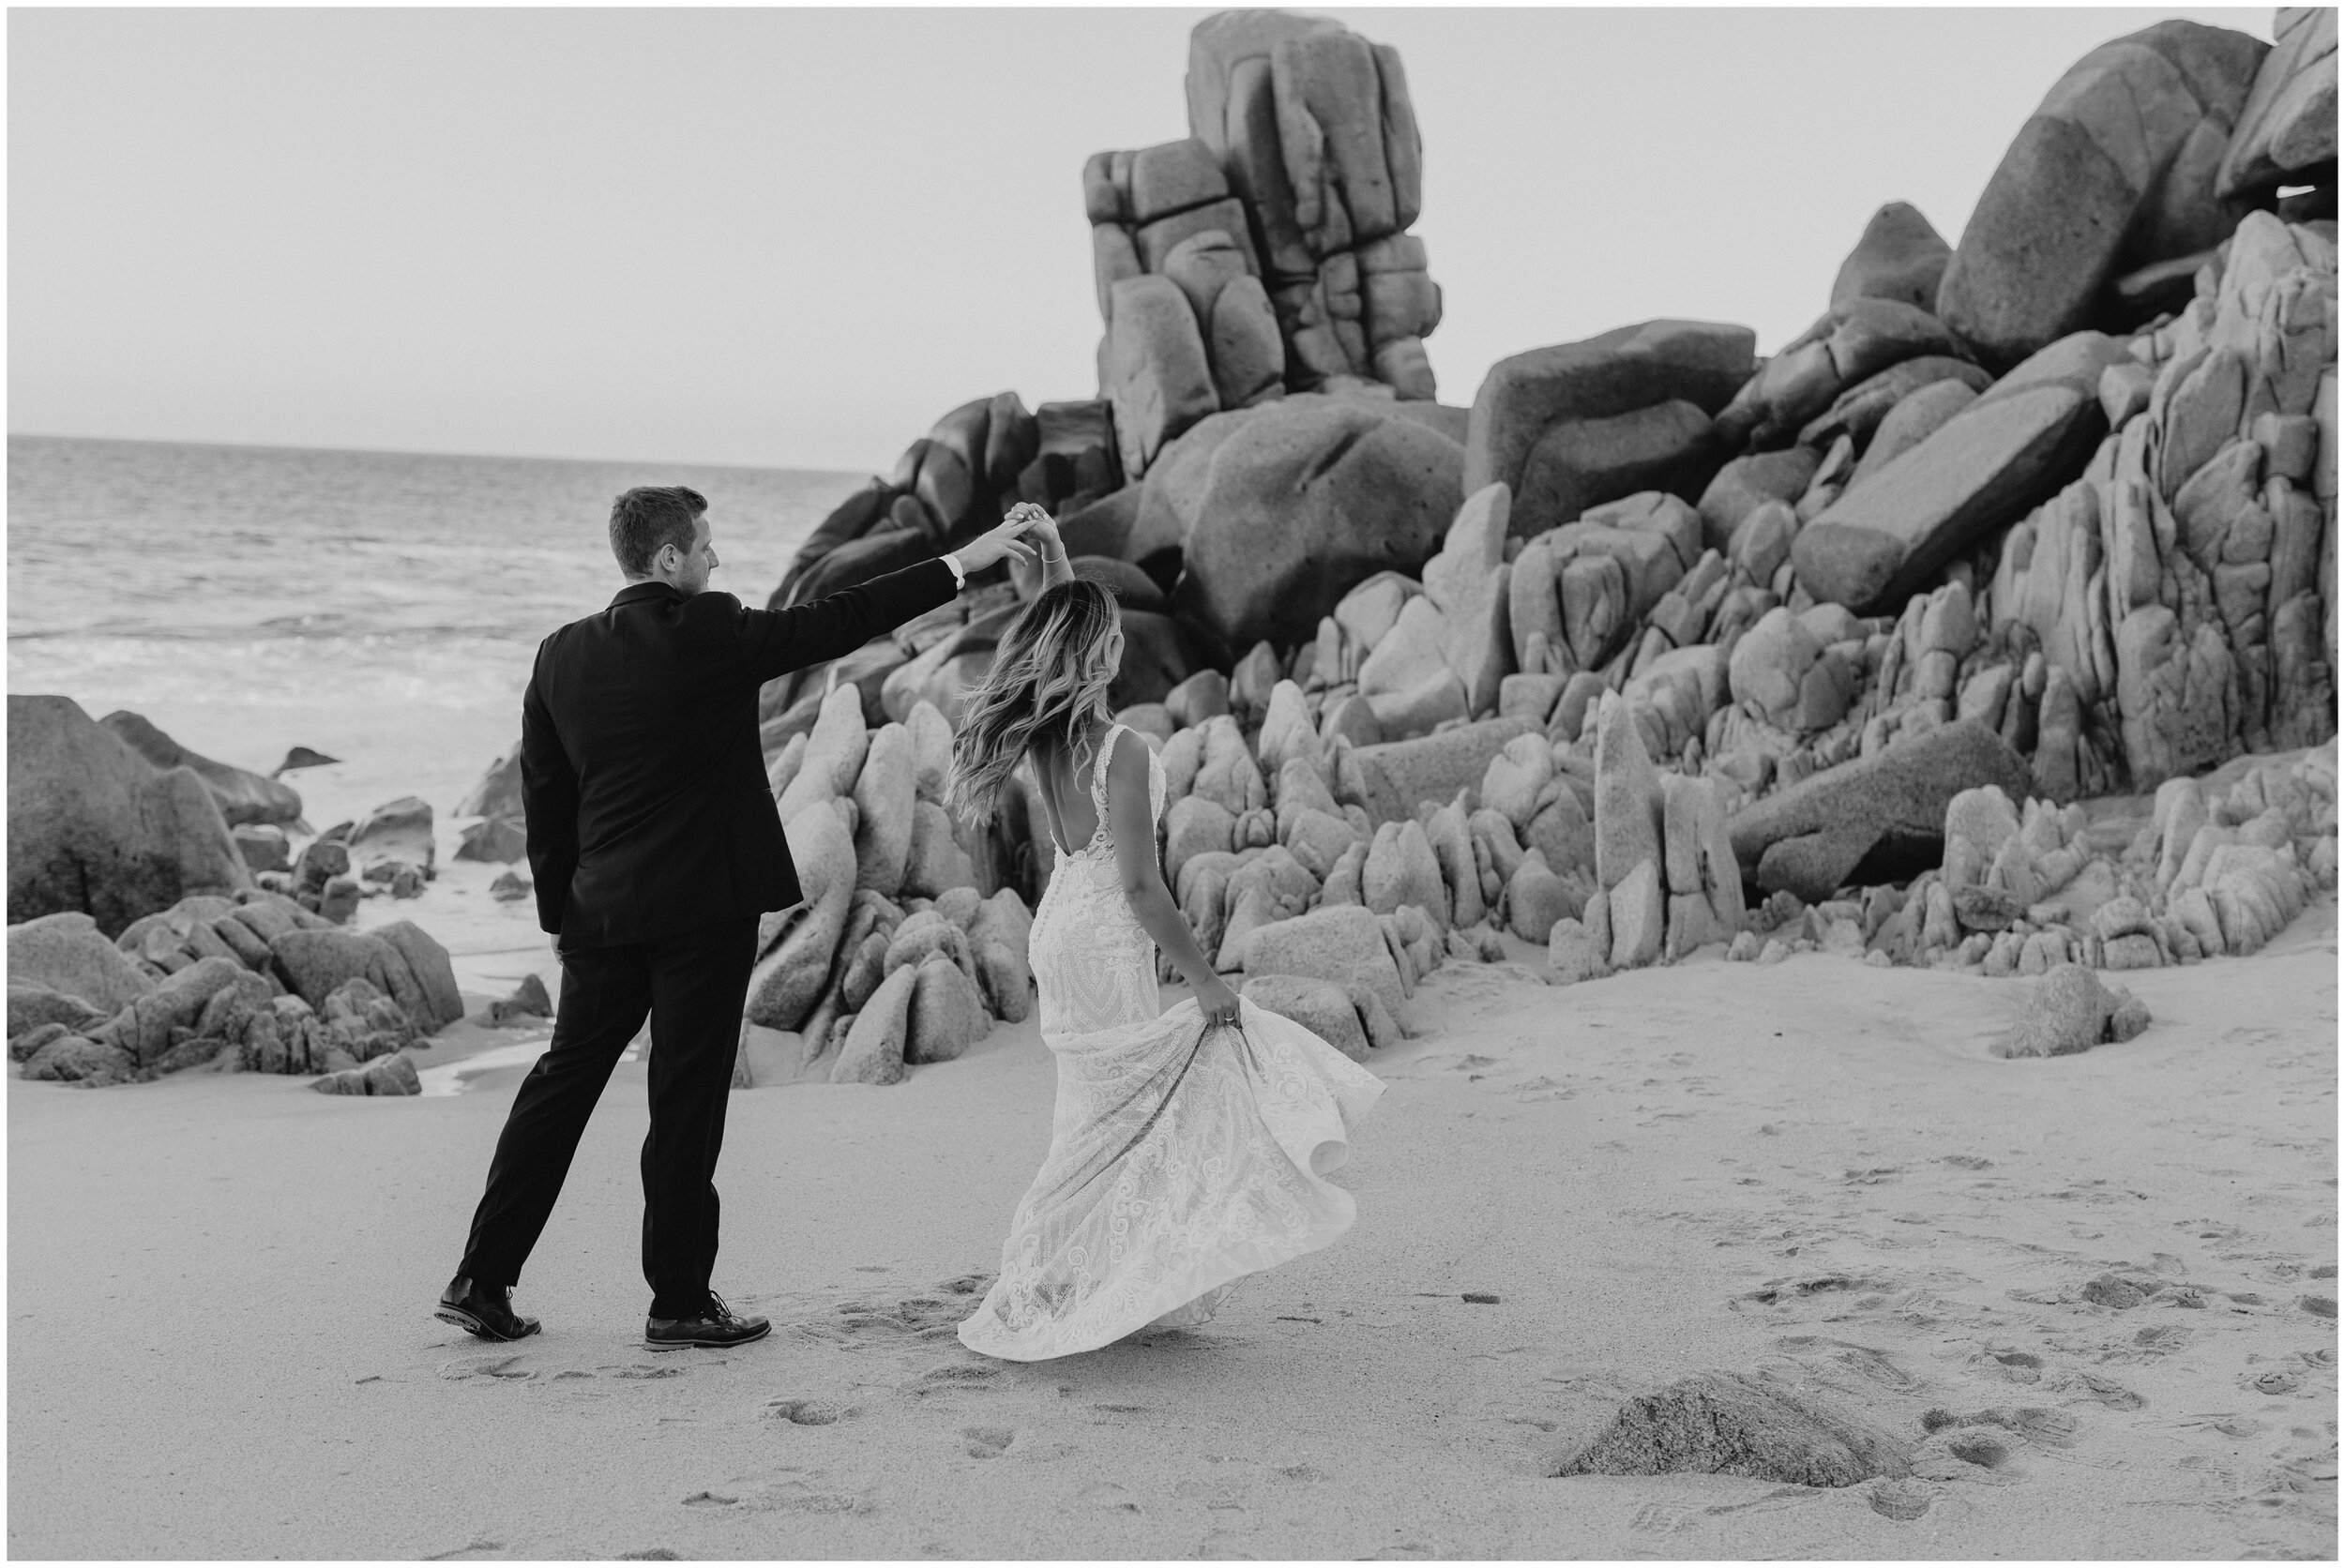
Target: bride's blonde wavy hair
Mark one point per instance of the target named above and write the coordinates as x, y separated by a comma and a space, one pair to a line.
1050, 680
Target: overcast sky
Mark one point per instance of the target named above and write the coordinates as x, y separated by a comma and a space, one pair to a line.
796, 237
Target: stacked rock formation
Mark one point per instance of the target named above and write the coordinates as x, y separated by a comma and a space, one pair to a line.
2220, 867
253, 983
956, 482
1267, 251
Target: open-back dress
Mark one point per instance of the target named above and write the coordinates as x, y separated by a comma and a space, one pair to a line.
1182, 1156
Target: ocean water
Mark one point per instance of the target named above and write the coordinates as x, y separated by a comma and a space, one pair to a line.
381, 607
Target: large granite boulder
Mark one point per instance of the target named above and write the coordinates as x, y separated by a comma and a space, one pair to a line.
499, 791
2115, 170
946, 486
400, 960
1982, 468
1807, 838
1305, 497
2289, 122
1157, 377
796, 947
94, 826
1389, 779
1342, 943
244, 796
68, 953
1619, 373
396, 833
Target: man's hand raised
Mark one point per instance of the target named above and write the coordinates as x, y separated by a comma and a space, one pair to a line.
1003, 543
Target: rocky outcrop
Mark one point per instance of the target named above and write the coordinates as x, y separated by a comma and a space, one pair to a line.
1569, 427
243, 797
2288, 127
94, 826
2115, 170
951, 484
1303, 498
1807, 839
1982, 468
1312, 128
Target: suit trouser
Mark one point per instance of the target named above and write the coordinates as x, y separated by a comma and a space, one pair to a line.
693, 985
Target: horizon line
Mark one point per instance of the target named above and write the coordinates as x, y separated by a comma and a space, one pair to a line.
425, 452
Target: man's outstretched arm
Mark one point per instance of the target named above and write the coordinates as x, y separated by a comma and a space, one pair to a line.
776, 641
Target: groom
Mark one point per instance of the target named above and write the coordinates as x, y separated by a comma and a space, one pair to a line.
654, 845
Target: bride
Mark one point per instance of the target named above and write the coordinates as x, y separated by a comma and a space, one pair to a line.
1187, 1147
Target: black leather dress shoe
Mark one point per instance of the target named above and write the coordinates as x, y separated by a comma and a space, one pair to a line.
716, 1327
484, 1311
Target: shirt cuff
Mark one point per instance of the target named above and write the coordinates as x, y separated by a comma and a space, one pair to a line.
952, 564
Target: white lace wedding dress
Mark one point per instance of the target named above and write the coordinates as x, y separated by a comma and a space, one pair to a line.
1182, 1157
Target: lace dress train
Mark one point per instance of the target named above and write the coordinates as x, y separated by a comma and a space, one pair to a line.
1182, 1156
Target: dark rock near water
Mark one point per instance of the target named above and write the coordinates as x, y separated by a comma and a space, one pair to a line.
94, 826
303, 757
398, 960
243, 797
529, 1001
397, 831
394, 1074
499, 791
496, 840
262, 846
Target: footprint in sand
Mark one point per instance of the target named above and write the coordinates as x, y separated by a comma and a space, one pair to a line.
1109, 1495
1968, 1453
2032, 1421
2111, 1393
807, 1413
1902, 1500
789, 1490
987, 1443
505, 1368
957, 1377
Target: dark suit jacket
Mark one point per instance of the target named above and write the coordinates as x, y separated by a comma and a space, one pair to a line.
640, 769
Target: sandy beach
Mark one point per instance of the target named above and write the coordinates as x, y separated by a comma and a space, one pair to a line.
222, 1346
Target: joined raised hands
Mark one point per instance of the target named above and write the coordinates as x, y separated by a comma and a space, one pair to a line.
1004, 542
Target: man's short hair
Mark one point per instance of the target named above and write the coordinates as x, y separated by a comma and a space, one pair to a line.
649, 518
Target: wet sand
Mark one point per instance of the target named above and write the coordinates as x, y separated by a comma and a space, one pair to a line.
221, 1342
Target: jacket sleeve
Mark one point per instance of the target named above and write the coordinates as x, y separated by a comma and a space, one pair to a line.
776, 641
549, 800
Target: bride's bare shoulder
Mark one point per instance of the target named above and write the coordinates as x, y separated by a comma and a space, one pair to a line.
1127, 762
